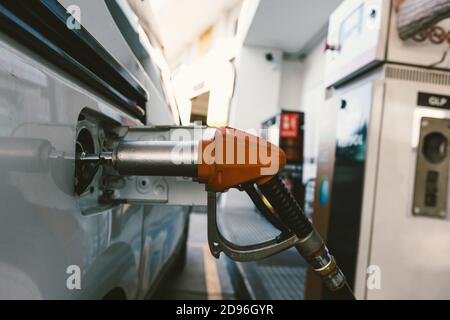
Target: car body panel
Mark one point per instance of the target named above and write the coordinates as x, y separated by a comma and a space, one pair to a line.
43, 231
96, 18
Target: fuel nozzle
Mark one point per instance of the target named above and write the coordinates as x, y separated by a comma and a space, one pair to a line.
233, 159
228, 160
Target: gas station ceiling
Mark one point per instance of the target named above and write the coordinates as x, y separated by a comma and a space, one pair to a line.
289, 25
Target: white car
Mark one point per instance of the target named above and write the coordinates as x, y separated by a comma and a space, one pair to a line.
64, 87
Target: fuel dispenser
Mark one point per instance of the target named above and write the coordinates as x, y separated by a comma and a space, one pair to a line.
383, 164
219, 159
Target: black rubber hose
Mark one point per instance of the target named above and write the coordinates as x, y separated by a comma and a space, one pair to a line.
291, 214
263, 209
342, 294
287, 207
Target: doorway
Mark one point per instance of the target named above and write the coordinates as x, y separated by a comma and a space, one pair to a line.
199, 110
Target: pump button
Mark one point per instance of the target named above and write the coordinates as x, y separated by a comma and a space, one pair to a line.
431, 189
435, 147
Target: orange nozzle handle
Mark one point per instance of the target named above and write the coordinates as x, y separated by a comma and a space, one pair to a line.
234, 157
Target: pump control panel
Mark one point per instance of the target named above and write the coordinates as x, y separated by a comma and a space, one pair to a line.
431, 182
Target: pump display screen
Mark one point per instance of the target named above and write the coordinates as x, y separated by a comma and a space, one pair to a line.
352, 26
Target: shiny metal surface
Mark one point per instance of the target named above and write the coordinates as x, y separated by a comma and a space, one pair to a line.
242, 253
101, 157
324, 264
321, 261
336, 282
311, 244
156, 158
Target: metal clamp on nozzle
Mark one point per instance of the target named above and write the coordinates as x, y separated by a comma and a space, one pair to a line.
102, 158
321, 261
325, 266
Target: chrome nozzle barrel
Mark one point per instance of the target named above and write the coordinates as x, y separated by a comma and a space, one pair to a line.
156, 158
150, 158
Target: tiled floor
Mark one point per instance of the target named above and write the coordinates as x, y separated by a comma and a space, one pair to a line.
279, 277
204, 277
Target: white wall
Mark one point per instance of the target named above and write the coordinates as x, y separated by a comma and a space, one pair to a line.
302, 89
213, 73
263, 88
257, 87
312, 98
290, 86
255, 99
313, 76
223, 36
